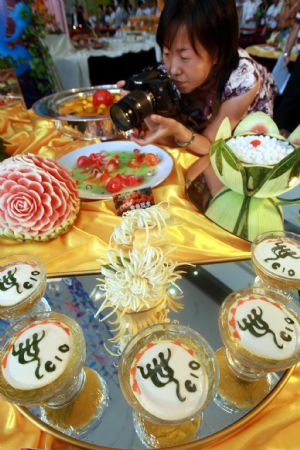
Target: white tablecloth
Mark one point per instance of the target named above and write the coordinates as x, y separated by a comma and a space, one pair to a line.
71, 65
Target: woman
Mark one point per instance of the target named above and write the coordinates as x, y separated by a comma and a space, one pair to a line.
199, 43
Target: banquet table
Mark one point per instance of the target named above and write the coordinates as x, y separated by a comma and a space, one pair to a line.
268, 51
72, 65
195, 240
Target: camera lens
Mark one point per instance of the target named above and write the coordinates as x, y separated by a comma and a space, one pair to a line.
131, 110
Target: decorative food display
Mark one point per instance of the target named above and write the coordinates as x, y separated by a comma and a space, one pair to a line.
168, 375
39, 358
264, 329
81, 113
42, 361
38, 198
260, 330
114, 171
95, 104
256, 165
105, 169
276, 259
149, 224
22, 284
134, 286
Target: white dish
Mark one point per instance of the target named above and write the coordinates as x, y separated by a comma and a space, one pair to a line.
86, 190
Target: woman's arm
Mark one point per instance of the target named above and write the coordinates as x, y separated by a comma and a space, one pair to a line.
234, 108
167, 131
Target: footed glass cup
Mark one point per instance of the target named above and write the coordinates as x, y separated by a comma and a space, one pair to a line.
276, 261
42, 364
168, 374
260, 329
22, 286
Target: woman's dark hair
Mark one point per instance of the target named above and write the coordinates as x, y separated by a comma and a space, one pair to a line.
214, 23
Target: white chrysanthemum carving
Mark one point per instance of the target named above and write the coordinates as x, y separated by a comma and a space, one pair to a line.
141, 219
136, 281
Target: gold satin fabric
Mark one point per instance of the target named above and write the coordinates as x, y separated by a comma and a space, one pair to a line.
275, 428
195, 238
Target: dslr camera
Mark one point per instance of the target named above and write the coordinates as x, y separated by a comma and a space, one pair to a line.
151, 91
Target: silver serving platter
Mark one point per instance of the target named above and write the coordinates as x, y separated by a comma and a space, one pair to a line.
75, 126
203, 294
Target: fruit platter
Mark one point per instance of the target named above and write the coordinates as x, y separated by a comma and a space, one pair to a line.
105, 169
81, 113
256, 164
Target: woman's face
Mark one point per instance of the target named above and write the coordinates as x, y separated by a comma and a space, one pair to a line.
187, 68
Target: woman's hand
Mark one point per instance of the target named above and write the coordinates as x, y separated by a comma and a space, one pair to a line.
159, 130
120, 84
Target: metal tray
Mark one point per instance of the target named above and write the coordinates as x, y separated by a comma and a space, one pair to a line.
203, 294
79, 127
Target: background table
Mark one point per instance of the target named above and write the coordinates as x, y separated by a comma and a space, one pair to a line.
75, 69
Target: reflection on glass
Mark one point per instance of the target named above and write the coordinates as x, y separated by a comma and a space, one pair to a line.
168, 375
22, 286
42, 361
261, 334
276, 261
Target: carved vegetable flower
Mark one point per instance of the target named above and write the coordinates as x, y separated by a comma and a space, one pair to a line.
136, 281
38, 198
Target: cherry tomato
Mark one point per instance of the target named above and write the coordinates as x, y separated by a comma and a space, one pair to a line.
255, 143
112, 165
133, 163
114, 185
151, 159
134, 181
102, 96
83, 161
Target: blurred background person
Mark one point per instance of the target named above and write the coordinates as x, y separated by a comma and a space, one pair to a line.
287, 111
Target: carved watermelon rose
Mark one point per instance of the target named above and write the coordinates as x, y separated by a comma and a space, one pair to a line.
38, 198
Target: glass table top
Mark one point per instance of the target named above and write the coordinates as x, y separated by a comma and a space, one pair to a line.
204, 288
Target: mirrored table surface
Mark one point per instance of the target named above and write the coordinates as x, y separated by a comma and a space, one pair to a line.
204, 288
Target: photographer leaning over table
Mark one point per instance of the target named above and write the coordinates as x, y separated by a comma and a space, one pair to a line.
199, 43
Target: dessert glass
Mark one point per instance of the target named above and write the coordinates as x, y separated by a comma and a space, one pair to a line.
276, 261
260, 329
22, 286
168, 374
42, 364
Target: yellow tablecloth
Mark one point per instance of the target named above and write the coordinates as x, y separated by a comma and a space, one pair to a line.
267, 51
195, 238
274, 428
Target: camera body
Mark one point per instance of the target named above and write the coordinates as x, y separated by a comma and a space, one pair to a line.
151, 91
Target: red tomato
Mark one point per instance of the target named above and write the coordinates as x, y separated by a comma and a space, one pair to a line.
114, 185
133, 163
134, 181
112, 165
151, 159
102, 96
83, 161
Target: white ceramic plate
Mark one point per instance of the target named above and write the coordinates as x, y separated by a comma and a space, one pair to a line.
92, 189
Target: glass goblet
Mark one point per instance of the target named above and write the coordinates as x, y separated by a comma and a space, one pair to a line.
22, 286
168, 374
276, 261
42, 359
260, 331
